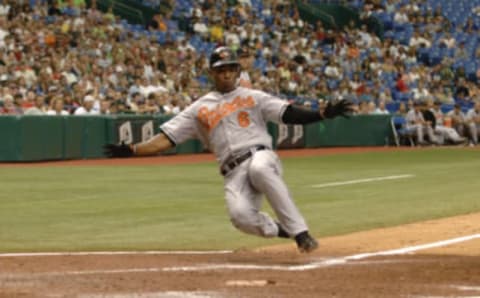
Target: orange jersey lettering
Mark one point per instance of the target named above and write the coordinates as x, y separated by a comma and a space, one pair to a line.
211, 118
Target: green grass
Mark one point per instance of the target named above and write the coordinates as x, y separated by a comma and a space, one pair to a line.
182, 206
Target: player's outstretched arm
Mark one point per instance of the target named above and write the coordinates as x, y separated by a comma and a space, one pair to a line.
298, 115
157, 144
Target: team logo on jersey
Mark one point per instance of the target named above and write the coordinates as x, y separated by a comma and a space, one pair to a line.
211, 117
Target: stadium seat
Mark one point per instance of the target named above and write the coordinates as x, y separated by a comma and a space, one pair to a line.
402, 135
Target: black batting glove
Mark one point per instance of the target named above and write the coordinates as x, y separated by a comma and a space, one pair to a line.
122, 150
342, 108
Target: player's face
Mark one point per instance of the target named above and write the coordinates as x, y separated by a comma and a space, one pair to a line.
225, 77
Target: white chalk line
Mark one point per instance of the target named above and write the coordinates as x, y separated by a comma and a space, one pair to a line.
112, 253
311, 266
467, 288
167, 294
365, 180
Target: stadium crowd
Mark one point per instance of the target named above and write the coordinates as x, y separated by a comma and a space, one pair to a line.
62, 57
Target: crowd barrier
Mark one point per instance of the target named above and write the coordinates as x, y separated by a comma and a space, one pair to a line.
37, 138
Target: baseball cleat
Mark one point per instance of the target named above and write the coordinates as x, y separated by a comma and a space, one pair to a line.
305, 242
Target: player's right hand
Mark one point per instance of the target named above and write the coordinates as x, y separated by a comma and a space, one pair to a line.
342, 108
122, 150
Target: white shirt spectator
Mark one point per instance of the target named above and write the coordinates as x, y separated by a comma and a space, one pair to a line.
400, 17
4, 9
417, 40
88, 107
333, 72
52, 113
448, 41
420, 93
379, 111
84, 111
231, 38
200, 28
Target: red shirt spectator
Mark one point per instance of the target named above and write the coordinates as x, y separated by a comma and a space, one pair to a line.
401, 83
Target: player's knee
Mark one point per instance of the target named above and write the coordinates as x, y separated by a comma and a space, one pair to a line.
243, 219
240, 218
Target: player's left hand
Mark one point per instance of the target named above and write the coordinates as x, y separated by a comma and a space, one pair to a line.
342, 108
122, 150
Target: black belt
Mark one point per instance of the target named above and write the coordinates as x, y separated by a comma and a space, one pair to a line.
231, 164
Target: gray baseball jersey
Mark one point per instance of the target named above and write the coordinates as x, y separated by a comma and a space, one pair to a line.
232, 124
227, 123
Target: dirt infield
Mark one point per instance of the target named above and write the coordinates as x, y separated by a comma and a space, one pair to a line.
340, 268
439, 258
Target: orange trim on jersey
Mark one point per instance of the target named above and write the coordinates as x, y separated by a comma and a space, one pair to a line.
211, 118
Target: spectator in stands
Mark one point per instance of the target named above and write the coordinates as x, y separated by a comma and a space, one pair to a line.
443, 95
87, 107
462, 92
401, 16
420, 40
105, 106
401, 83
446, 73
420, 92
402, 109
157, 23
470, 26
381, 109
57, 107
371, 107
9, 106
217, 29
39, 108
390, 6
332, 70
461, 52
363, 108
476, 10
200, 26
447, 41
245, 59
54, 10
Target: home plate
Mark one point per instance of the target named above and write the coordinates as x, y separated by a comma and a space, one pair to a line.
249, 283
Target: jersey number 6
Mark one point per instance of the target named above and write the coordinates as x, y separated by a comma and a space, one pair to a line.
243, 119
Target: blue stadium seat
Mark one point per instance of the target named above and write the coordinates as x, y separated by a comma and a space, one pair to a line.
401, 133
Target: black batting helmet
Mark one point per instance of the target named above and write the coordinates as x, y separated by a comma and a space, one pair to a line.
223, 56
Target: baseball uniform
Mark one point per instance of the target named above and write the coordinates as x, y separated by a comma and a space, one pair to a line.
233, 126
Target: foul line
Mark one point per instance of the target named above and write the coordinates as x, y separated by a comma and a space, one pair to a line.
112, 253
362, 180
330, 262
209, 267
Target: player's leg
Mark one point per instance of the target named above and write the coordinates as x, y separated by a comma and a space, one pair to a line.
265, 173
472, 128
244, 203
418, 128
452, 135
441, 134
431, 135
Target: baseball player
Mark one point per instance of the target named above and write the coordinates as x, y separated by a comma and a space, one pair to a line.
231, 121
473, 120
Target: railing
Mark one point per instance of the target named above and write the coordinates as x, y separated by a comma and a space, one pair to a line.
123, 10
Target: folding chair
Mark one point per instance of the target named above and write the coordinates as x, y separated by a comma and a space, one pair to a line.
401, 133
